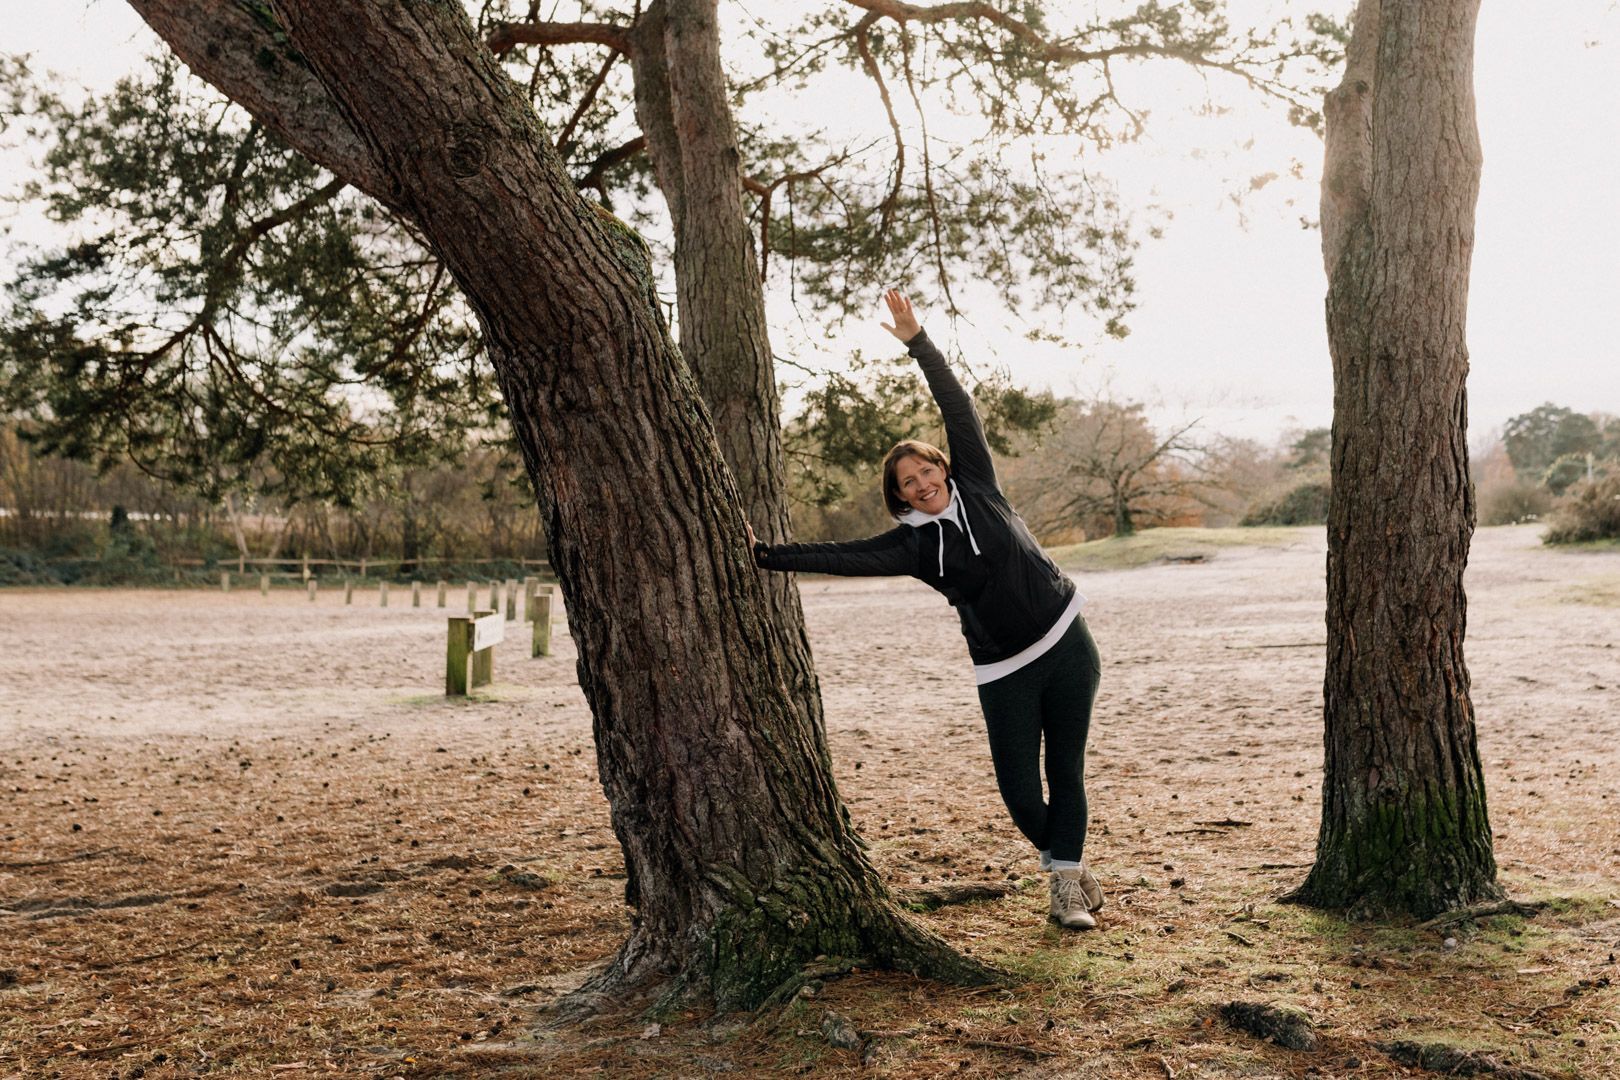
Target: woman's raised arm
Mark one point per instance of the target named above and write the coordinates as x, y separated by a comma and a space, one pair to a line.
970, 453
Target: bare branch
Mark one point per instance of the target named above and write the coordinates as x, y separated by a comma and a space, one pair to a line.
928, 181
566, 136
863, 44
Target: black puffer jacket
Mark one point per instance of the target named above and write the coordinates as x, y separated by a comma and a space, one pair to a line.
1009, 593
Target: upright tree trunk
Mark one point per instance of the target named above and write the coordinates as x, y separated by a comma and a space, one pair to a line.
410, 539
236, 525
684, 109
1404, 824
741, 860
1124, 525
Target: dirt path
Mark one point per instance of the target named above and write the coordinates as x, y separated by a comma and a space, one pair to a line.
243, 831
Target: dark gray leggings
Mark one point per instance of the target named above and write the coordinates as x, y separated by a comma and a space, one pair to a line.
1052, 698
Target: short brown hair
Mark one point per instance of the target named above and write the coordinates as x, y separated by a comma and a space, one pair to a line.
903, 449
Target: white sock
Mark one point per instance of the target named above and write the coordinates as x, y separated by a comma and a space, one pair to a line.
1063, 864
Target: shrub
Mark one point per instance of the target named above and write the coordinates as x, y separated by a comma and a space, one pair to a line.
1591, 511
25, 568
1513, 503
1306, 504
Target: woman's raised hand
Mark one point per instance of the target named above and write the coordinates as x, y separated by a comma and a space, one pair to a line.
905, 325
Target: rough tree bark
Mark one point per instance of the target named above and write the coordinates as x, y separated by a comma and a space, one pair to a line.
684, 110
1404, 824
742, 862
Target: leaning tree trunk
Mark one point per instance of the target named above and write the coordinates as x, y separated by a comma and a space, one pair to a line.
1404, 825
683, 108
743, 862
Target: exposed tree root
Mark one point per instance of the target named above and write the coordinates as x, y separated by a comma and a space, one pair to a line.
1438, 1057
810, 975
640, 980
1366, 904
905, 945
1527, 908
934, 897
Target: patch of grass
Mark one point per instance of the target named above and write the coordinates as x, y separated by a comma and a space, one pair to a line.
1575, 547
1163, 545
1578, 907
493, 694
1597, 592
1054, 963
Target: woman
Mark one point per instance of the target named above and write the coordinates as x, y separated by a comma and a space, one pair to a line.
1034, 660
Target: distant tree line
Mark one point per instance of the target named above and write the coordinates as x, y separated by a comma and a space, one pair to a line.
1556, 464
66, 521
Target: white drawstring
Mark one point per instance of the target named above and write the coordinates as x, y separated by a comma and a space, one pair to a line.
966, 527
961, 508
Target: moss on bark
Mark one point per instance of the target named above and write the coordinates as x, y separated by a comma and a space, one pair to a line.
1420, 855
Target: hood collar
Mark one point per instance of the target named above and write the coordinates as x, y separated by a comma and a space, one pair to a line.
954, 512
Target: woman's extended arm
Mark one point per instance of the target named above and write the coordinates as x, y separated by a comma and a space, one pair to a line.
885, 555
970, 453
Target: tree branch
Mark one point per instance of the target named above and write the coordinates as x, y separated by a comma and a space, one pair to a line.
767, 192
863, 45
237, 48
566, 135
610, 158
507, 36
1057, 52
928, 180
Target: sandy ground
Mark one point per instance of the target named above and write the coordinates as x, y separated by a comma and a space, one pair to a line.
250, 835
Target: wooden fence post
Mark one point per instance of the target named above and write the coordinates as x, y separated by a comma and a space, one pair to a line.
539, 613
382, 594
224, 581
470, 652
456, 656
241, 565
472, 597
511, 600
416, 594
306, 566
264, 584
310, 585
443, 585
494, 596
348, 590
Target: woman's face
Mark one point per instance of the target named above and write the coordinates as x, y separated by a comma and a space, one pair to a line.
922, 484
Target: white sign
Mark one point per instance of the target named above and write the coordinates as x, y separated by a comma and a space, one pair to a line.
488, 630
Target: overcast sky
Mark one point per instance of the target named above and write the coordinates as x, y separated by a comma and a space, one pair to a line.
1229, 325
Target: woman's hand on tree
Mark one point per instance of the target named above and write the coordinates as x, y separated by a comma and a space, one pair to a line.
905, 325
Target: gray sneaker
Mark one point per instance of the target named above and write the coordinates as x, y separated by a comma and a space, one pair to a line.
1069, 908
1092, 890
